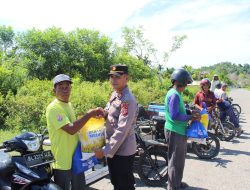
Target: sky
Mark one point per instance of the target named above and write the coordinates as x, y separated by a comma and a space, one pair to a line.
216, 30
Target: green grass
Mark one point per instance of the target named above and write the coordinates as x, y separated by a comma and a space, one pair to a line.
6, 135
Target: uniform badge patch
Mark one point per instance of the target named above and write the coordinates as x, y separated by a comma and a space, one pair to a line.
124, 109
59, 118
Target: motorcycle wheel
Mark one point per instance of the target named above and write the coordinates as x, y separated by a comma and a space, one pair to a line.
153, 167
229, 131
208, 151
237, 107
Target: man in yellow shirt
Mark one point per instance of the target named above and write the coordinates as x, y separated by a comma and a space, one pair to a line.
63, 128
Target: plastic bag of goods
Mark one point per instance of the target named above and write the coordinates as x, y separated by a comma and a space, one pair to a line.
204, 118
92, 134
196, 130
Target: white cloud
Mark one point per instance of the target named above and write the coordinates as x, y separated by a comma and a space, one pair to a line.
214, 34
105, 16
215, 29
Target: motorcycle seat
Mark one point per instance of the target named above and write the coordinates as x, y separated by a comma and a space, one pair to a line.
155, 143
159, 119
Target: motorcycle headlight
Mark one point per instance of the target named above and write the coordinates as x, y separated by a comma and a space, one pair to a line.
32, 145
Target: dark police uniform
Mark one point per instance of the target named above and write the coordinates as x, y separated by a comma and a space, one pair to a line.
120, 145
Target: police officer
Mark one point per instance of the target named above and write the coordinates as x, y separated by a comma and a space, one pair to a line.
120, 148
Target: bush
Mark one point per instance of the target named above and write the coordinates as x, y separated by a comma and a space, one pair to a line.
3, 111
149, 90
12, 77
27, 109
189, 93
88, 95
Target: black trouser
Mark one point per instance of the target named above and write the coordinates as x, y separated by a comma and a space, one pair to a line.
177, 149
67, 180
121, 172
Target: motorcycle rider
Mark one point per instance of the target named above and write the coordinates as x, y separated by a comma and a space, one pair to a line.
220, 91
205, 96
226, 108
175, 128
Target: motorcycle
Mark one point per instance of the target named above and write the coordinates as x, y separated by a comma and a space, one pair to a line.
205, 149
225, 130
236, 107
151, 160
28, 170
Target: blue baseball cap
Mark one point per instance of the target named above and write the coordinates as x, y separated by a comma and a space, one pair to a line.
60, 78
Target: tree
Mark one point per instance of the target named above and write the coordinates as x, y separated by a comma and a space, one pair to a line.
135, 43
6, 38
81, 52
90, 54
12, 75
44, 52
177, 43
137, 69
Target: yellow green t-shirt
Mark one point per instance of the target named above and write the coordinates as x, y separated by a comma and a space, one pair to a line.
63, 144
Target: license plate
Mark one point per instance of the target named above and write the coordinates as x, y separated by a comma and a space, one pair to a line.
39, 158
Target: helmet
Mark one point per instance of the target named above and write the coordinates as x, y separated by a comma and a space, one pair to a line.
182, 76
205, 81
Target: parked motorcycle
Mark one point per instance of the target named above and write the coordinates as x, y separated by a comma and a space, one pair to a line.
204, 149
151, 160
225, 130
29, 169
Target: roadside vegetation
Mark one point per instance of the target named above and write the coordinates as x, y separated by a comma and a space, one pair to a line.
29, 60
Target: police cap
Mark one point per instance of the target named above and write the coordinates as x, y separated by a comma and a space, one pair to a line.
118, 70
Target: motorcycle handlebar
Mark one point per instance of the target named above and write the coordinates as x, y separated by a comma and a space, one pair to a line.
2, 147
8, 150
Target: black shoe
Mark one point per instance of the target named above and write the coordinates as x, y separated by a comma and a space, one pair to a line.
184, 185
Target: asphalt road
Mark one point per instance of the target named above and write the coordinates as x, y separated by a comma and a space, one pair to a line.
230, 170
